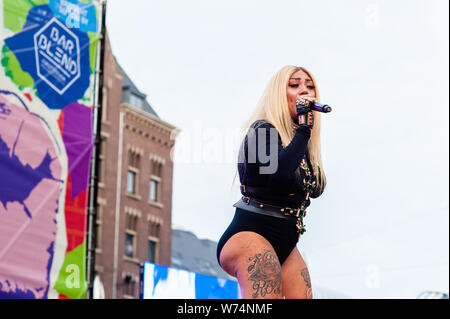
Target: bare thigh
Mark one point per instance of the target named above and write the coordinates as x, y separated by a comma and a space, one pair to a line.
295, 279
252, 260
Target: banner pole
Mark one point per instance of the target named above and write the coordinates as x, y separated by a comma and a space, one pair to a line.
95, 159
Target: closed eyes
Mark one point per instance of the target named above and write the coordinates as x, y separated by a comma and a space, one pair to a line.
296, 86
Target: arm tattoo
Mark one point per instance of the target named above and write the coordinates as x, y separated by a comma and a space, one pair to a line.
265, 272
306, 278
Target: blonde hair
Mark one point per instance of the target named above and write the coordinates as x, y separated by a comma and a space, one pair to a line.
273, 108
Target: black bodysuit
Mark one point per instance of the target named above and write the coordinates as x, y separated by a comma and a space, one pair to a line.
281, 187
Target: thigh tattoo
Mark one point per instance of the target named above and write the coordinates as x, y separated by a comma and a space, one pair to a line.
306, 278
265, 272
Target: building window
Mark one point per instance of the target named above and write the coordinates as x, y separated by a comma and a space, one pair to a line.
131, 224
152, 251
155, 181
131, 182
154, 193
154, 225
136, 101
134, 162
129, 244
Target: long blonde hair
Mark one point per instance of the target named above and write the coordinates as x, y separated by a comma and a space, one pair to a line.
273, 108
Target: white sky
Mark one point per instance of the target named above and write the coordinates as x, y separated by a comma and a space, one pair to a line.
381, 229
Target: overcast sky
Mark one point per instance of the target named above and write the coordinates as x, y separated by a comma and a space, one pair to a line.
381, 228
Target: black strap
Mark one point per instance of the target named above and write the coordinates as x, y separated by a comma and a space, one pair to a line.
261, 191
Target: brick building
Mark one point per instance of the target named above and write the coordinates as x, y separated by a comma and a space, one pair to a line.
135, 184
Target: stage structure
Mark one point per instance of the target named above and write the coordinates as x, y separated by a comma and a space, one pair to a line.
49, 93
161, 282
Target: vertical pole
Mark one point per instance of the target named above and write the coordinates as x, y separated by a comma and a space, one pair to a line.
117, 212
93, 181
141, 281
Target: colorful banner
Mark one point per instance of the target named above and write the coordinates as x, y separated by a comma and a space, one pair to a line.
47, 84
161, 282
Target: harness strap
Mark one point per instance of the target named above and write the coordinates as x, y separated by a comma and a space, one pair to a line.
262, 191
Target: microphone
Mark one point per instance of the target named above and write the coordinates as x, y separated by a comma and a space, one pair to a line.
313, 106
324, 108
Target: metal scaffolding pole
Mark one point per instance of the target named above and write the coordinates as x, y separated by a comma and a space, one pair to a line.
93, 180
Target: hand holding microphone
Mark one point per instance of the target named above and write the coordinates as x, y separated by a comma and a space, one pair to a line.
305, 106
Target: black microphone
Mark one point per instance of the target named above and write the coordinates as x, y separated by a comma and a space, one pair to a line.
315, 106
324, 108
